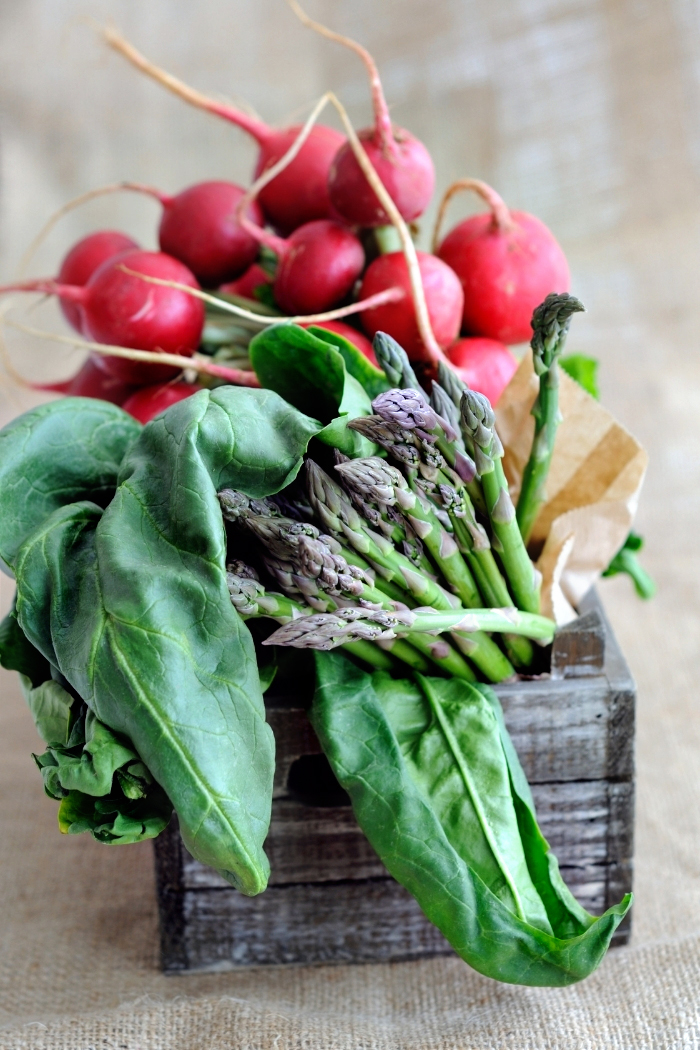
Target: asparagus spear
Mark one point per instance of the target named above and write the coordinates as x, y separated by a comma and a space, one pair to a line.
479, 423
338, 516
250, 599
378, 481
328, 630
550, 325
393, 359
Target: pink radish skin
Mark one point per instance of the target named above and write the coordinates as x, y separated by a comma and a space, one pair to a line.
317, 265
485, 365
443, 294
352, 335
83, 259
404, 166
245, 286
199, 228
120, 309
300, 193
508, 262
148, 402
93, 380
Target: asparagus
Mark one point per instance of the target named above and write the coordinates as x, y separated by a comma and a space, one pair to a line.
338, 516
475, 546
479, 423
250, 598
378, 481
393, 359
550, 325
328, 630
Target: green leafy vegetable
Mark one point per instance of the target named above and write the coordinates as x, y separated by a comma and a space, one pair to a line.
438, 790
115, 820
131, 604
311, 374
18, 654
53, 710
58, 453
371, 378
626, 561
584, 370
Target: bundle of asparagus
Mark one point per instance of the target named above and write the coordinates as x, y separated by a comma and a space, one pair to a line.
416, 558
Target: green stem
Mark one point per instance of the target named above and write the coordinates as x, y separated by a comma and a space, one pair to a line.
523, 579
547, 418
443, 655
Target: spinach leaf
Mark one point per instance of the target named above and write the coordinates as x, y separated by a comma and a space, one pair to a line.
115, 820
63, 451
131, 604
371, 378
584, 370
413, 802
52, 708
18, 654
311, 374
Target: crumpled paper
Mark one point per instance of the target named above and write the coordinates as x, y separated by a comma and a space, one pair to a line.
592, 490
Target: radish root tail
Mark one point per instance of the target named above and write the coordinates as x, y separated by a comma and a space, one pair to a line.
502, 219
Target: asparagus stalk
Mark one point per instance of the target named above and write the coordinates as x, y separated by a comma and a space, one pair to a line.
251, 599
328, 630
393, 359
378, 481
550, 325
338, 516
479, 423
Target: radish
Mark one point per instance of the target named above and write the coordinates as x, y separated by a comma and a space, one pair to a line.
83, 259
443, 294
317, 265
299, 194
120, 309
507, 261
150, 401
401, 160
245, 286
352, 335
199, 228
93, 380
485, 365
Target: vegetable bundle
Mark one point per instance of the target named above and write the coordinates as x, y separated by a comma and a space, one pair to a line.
298, 496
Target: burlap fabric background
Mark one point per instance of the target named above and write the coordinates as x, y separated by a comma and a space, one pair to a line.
583, 111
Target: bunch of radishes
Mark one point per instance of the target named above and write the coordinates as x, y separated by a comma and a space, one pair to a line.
313, 242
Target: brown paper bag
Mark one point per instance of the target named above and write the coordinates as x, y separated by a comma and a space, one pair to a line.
592, 489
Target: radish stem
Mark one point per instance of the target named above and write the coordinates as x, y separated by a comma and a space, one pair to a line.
381, 110
391, 295
237, 376
259, 130
501, 216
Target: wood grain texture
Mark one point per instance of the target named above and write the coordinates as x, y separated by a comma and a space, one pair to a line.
330, 898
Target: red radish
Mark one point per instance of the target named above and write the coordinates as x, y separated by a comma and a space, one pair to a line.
150, 401
485, 365
317, 266
245, 286
401, 161
199, 228
120, 309
298, 194
93, 380
443, 296
508, 262
83, 259
352, 335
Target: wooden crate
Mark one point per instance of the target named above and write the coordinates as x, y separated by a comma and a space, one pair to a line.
330, 899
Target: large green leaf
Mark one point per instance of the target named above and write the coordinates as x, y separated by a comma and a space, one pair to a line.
63, 451
417, 779
132, 606
311, 374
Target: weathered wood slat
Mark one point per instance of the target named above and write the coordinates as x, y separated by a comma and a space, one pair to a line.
325, 844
